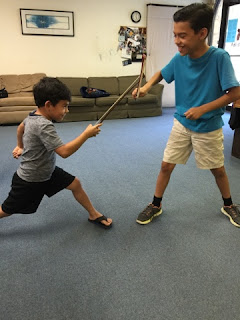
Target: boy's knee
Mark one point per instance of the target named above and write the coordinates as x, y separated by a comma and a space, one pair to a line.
3, 214
75, 184
167, 168
219, 172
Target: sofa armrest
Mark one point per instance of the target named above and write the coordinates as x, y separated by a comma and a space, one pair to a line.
157, 90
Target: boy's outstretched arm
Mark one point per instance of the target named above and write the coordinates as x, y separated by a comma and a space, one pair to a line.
69, 148
157, 77
17, 151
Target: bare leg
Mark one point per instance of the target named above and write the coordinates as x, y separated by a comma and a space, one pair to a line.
82, 198
222, 181
3, 214
163, 178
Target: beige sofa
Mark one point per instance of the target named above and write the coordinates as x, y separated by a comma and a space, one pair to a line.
20, 101
93, 108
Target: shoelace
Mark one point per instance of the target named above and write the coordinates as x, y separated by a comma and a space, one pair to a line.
234, 211
148, 210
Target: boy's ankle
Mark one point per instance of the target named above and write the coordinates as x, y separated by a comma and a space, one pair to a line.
157, 201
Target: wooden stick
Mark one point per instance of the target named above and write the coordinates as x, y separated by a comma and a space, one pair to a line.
141, 75
103, 117
138, 80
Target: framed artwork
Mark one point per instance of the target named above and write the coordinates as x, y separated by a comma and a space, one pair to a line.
47, 22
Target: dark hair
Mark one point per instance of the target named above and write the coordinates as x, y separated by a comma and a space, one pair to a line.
51, 89
199, 15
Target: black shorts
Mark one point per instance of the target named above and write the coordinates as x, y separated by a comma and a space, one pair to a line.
25, 197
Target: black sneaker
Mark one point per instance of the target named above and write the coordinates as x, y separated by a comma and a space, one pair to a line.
233, 214
148, 214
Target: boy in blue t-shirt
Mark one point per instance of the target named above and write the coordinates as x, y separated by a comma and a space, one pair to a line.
38, 143
204, 84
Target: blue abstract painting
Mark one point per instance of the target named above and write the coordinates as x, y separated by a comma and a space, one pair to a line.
47, 22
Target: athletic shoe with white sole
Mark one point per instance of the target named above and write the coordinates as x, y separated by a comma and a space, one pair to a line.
148, 214
233, 214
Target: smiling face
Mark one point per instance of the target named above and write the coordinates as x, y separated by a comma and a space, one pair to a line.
189, 42
58, 111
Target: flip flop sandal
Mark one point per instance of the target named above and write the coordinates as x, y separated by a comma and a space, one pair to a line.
99, 223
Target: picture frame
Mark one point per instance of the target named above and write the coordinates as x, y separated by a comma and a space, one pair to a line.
47, 22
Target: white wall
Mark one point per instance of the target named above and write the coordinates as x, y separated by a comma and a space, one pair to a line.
91, 52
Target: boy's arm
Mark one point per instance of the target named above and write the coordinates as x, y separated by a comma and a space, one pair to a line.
232, 95
20, 131
69, 148
17, 151
157, 77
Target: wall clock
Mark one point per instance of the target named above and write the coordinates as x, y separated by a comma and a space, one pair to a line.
135, 16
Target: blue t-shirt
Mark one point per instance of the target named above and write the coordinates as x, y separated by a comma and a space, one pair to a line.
199, 81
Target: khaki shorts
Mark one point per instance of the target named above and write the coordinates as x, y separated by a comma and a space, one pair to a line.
208, 147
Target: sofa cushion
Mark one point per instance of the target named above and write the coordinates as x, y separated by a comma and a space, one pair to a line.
109, 84
80, 115
17, 101
21, 94
10, 82
83, 102
125, 81
81, 109
20, 83
27, 81
108, 101
74, 84
149, 98
17, 108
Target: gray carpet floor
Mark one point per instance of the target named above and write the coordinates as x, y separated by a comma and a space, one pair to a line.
55, 265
